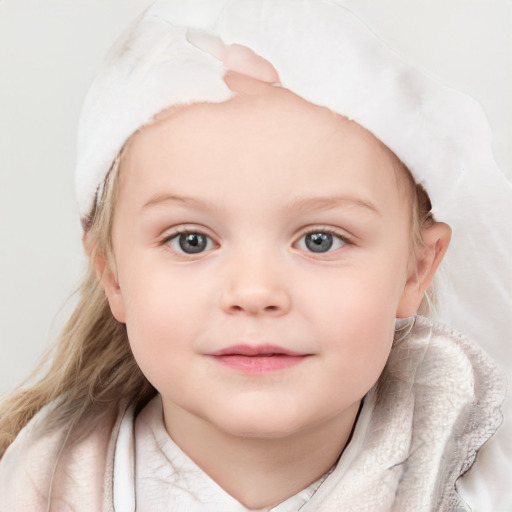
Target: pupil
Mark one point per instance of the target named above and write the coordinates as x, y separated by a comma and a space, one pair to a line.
319, 242
192, 243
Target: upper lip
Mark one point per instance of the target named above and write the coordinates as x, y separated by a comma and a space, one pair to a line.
255, 350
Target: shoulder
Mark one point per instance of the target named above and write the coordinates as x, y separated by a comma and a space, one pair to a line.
26, 467
448, 363
437, 401
45, 466
453, 391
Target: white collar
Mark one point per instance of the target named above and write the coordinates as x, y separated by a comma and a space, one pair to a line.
158, 475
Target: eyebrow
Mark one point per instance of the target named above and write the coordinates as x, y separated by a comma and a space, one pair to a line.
331, 202
299, 204
172, 198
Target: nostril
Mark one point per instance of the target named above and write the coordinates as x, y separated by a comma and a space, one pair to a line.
255, 301
235, 308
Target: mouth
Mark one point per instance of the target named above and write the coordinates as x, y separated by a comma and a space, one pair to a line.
257, 359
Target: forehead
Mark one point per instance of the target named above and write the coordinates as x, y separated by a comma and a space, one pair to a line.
266, 140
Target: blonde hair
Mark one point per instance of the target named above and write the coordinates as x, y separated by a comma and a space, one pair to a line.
91, 368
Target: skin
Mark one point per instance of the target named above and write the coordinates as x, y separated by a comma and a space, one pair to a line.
255, 175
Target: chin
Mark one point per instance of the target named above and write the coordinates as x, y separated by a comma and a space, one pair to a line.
263, 423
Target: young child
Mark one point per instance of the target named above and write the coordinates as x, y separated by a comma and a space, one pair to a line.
262, 186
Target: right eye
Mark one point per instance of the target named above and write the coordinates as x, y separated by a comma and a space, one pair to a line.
321, 241
190, 242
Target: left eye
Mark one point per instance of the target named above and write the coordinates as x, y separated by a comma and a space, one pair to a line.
320, 241
190, 243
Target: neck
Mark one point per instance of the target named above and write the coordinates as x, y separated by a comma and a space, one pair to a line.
261, 472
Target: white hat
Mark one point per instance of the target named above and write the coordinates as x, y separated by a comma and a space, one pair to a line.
327, 56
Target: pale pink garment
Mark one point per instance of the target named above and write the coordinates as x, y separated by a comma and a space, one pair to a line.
420, 428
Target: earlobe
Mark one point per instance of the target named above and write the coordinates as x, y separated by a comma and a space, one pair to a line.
436, 239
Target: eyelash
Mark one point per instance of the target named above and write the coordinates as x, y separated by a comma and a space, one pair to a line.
185, 231
344, 239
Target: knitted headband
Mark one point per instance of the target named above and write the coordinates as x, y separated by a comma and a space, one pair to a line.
172, 56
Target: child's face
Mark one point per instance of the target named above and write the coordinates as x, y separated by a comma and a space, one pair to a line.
263, 222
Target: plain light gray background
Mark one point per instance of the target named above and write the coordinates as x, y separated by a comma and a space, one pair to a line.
49, 51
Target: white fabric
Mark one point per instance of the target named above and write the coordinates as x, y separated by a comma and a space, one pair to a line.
436, 403
418, 431
166, 479
324, 54
123, 495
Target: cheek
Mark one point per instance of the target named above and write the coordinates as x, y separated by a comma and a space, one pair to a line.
160, 322
361, 338
356, 318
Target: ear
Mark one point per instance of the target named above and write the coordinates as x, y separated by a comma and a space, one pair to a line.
107, 277
436, 239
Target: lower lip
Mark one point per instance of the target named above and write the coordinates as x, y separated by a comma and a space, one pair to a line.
259, 364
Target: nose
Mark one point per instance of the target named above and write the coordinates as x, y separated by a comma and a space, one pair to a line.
255, 287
